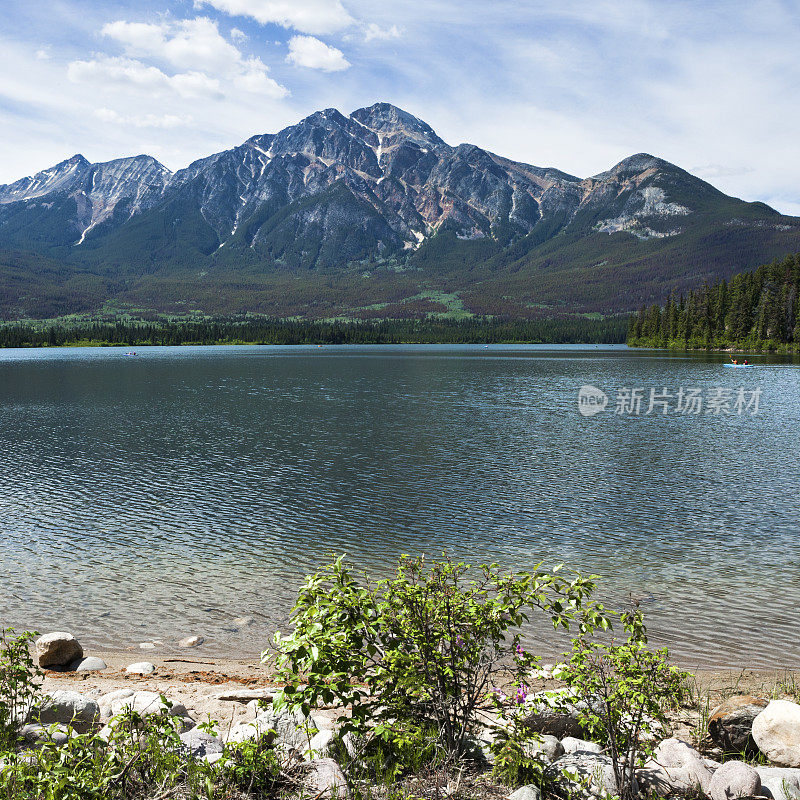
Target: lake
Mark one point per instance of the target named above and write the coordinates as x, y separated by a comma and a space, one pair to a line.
166, 494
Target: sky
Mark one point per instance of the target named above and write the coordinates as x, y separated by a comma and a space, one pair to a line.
713, 86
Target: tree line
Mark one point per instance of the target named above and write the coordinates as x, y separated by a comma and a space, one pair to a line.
251, 330
755, 310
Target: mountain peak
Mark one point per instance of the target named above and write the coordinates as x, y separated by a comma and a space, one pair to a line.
384, 118
634, 165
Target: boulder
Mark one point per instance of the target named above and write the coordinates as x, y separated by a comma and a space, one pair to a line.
572, 745
319, 745
549, 746
326, 780
68, 708
554, 713
191, 641
143, 703
289, 727
776, 732
141, 668
57, 650
107, 700
734, 779
250, 730
593, 770
198, 744
730, 724
36, 735
529, 792
675, 765
91, 664
779, 783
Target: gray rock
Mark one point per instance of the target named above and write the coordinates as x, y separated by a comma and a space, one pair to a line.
199, 744
68, 708
779, 783
592, 769
246, 695
572, 745
730, 724
141, 668
289, 728
734, 779
677, 765
91, 664
57, 649
325, 779
36, 735
551, 747
191, 641
106, 701
545, 747
143, 703
319, 746
529, 792
776, 731
553, 723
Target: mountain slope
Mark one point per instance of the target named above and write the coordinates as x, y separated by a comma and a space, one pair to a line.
373, 213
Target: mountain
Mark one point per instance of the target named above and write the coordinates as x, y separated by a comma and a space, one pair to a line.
367, 215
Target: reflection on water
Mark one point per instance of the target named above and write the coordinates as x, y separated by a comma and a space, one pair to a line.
167, 494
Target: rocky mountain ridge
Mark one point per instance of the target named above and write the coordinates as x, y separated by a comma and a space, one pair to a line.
377, 187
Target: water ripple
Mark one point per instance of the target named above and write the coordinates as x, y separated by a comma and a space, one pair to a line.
168, 494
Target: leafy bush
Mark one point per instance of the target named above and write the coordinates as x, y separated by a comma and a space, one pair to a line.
514, 763
425, 647
627, 689
252, 766
20, 680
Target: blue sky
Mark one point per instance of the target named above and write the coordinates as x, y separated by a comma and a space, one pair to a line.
712, 86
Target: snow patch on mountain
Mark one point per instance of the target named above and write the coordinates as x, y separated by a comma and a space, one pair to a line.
649, 203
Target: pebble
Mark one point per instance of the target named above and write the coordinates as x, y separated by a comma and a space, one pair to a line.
141, 668
191, 641
91, 664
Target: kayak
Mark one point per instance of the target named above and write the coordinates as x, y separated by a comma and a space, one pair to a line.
738, 365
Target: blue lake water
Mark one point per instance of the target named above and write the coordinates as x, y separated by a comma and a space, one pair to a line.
166, 494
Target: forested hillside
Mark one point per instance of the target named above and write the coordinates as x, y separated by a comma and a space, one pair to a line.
754, 310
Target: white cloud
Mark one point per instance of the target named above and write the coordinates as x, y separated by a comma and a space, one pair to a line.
307, 51
105, 72
239, 36
143, 120
306, 16
375, 31
192, 59
195, 45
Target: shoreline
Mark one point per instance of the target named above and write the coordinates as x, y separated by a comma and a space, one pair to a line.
229, 691
192, 668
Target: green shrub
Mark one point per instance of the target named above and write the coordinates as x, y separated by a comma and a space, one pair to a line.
20, 680
627, 689
252, 766
425, 647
